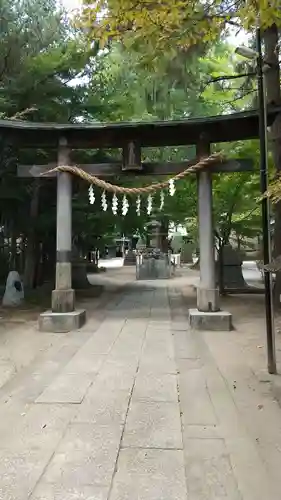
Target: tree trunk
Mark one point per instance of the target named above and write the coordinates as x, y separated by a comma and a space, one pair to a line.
49, 260
30, 259
13, 250
79, 270
220, 264
238, 243
38, 273
164, 231
272, 80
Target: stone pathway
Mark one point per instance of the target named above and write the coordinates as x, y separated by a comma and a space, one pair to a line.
136, 407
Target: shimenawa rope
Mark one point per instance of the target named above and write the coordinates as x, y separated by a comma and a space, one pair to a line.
106, 186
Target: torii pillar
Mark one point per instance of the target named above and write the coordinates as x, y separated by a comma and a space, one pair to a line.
208, 315
63, 316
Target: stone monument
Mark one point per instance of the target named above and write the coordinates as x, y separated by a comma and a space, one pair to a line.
151, 262
231, 269
130, 258
187, 252
14, 292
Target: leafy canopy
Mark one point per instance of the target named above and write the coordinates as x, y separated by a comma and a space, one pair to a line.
184, 87
173, 24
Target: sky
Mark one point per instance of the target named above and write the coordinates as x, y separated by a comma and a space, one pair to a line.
71, 4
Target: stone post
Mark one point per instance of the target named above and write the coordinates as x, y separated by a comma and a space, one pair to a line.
207, 293
63, 296
207, 316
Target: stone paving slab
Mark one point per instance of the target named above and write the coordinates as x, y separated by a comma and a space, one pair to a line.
103, 339
86, 456
20, 471
39, 428
87, 437
84, 362
156, 363
195, 400
116, 375
104, 407
201, 431
80, 468
77, 376
153, 425
184, 344
159, 347
30, 382
160, 336
156, 387
209, 472
149, 475
129, 344
67, 388
46, 491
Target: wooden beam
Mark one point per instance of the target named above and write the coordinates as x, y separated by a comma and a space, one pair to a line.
224, 128
99, 169
228, 166
169, 168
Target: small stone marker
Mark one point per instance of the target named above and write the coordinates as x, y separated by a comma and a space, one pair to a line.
14, 292
232, 269
187, 252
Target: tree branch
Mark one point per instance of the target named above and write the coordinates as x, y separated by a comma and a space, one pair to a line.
229, 77
21, 114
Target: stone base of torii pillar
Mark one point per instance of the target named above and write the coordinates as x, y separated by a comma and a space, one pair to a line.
53, 322
207, 315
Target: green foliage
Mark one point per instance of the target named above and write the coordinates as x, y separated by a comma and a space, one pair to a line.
41, 55
235, 205
182, 88
49, 72
159, 27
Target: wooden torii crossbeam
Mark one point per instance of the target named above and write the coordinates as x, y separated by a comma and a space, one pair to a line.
95, 135
147, 168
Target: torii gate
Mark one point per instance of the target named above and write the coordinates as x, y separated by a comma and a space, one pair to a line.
131, 137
